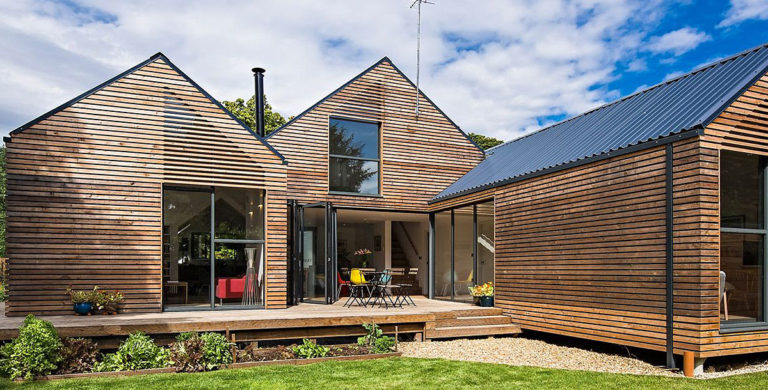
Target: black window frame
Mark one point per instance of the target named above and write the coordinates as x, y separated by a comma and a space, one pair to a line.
341, 156
730, 327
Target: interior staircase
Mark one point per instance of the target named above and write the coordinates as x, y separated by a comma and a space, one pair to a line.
468, 323
401, 268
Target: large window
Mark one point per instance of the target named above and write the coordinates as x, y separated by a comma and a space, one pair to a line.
742, 238
200, 271
354, 160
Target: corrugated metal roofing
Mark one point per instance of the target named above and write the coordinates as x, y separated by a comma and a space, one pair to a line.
685, 103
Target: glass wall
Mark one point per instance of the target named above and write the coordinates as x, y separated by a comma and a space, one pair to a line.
227, 270
742, 238
464, 250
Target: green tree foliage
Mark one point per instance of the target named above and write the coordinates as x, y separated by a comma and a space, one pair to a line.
2, 201
485, 142
245, 112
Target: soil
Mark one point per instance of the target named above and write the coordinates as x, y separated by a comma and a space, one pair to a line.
252, 353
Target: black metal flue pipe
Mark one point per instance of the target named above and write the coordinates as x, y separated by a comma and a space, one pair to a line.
258, 74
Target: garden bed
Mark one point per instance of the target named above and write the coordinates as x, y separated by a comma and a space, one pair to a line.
170, 370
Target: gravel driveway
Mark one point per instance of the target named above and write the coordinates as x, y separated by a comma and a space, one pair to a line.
519, 351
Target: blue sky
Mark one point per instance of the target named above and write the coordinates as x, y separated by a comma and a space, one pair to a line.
501, 68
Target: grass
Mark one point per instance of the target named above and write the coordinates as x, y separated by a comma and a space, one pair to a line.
400, 373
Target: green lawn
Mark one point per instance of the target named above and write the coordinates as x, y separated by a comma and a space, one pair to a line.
397, 373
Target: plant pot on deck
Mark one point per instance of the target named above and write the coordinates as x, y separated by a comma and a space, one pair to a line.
486, 301
83, 308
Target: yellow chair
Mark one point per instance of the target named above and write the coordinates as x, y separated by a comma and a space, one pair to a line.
357, 277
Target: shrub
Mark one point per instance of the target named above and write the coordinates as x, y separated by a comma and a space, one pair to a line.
3, 291
187, 353
193, 352
34, 352
217, 350
137, 352
309, 349
77, 355
375, 339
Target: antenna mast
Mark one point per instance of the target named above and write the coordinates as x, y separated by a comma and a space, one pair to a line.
418, 3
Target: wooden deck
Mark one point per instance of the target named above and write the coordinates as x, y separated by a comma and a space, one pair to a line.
427, 319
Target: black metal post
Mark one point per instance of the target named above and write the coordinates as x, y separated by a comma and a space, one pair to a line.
670, 271
474, 244
453, 253
213, 250
431, 257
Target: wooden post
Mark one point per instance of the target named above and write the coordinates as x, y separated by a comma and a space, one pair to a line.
226, 334
688, 361
234, 348
397, 333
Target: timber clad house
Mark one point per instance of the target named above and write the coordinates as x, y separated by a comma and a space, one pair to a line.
640, 223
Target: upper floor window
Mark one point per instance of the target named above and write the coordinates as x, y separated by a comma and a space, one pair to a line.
354, 156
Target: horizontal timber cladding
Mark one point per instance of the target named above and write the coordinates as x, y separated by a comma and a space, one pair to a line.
420, 155
581, 252
85, 188
742, 127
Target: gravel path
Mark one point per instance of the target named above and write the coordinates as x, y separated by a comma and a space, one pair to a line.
520, 351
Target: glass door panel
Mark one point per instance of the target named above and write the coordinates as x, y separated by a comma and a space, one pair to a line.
239, 274
463, 253
186, 247
314, 254
443, 281
486, 247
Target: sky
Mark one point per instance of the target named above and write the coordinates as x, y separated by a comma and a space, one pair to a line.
499, 68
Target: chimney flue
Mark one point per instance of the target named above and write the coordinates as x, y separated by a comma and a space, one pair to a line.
258, 74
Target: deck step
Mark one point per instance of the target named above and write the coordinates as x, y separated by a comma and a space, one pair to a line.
474, 312
473, 321
469, 331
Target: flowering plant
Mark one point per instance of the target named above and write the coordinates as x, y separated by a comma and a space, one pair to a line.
482, 290
363, 253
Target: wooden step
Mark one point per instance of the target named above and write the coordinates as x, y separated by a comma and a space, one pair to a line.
475, 311
473, 321
470, 331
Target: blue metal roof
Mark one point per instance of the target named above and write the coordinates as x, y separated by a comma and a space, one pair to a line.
676, 106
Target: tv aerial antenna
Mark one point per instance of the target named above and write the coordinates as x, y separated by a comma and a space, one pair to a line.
417, 4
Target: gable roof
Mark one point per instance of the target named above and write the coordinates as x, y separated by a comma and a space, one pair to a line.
666, 112
363, 73
138, 66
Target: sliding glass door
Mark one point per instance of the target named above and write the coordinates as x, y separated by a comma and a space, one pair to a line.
213, 248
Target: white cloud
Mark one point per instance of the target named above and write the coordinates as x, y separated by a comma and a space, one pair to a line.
637, 65
494, 67
678, 42
742, 10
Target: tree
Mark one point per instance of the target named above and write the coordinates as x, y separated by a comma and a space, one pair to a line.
485, 142
245, 112
2, 201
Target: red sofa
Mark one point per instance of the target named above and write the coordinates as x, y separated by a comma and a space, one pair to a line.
230, 288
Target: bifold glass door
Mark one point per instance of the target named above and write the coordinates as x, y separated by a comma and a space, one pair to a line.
314, 253
213, 248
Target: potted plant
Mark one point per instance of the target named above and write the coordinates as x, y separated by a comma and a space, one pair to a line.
106, 301
363, 253
81, 301
483, 294
112, 300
